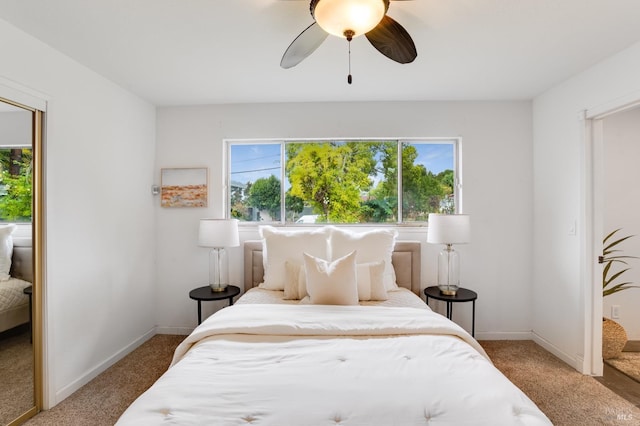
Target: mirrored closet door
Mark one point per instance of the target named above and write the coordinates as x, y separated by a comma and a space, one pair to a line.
20, 300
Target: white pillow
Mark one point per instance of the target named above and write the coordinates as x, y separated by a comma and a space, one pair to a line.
332, 283
371, 246
369, 278
371, 281
6, 250
278, 246
295, 285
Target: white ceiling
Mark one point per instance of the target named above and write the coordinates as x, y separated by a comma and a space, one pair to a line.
184, 52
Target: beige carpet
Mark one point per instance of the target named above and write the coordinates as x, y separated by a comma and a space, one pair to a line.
16, 376
628, 363
564, 395
105, 398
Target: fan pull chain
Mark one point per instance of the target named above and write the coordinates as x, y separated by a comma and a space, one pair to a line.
349, 78
349, 35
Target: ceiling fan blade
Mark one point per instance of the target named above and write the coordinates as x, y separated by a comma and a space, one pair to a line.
304, 45
393, 41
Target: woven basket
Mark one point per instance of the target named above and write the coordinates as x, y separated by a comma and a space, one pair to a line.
613, 338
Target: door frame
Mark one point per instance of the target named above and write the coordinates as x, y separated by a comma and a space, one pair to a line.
593, 145
27, 99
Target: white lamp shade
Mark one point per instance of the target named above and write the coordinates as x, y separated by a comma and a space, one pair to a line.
218, 233
338, 16
449, 229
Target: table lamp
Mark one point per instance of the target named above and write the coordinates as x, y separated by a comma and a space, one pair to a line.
449, 229
218, 234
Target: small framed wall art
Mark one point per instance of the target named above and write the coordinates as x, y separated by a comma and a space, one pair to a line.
184, 187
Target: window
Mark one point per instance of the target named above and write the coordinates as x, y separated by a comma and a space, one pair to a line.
342, 181
15, 184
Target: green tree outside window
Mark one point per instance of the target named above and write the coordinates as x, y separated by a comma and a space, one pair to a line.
15, 184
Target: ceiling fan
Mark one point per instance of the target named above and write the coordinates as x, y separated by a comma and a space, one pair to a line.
349, 19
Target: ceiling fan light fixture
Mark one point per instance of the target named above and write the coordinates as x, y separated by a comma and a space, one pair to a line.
357, 17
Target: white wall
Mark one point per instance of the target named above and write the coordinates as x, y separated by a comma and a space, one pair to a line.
497, 192
621, 206
15, 128
559, 198
100, 233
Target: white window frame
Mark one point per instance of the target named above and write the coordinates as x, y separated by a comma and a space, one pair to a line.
457, 171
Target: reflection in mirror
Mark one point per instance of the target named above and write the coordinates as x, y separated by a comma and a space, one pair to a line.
16, 263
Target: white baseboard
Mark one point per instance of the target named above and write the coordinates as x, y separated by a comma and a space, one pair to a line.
66, 391
573, 361
504, 335
183, 331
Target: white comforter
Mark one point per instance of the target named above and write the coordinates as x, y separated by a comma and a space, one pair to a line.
331, 365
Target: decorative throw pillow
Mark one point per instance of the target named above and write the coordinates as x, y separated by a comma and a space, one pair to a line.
278, 246
369, 278
6, 250
370, 281
371, 246
295, 285
332, 283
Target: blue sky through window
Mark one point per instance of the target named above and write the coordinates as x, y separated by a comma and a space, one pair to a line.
252, 162
435, 157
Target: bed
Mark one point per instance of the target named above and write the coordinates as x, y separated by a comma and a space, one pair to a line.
276, 360
14, 303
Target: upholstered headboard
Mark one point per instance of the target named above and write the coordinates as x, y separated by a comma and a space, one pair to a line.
22, 260
405, 259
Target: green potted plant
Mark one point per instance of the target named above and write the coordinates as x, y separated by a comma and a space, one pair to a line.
614, 337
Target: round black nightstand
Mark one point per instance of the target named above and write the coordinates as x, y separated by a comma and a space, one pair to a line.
462, 295
205, 293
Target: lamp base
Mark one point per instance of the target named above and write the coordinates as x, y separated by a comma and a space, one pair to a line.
218, 288
448, 271
218, 270
448, 290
